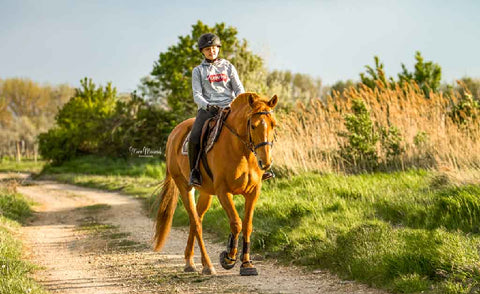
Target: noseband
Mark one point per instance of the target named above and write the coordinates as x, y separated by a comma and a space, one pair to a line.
250, 144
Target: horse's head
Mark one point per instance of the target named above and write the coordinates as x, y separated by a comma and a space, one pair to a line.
260, 128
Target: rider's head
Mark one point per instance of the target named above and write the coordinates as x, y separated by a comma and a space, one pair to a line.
209, 44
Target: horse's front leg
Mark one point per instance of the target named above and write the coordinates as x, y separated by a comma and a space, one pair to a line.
247, 268
228, 258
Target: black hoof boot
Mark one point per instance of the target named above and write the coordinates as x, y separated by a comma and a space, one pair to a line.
195, 178
247, 269
227, 262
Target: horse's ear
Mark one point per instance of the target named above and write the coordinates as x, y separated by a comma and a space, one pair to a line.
273, 102
251, 99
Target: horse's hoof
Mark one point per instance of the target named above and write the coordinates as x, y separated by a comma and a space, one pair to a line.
209, 271
248, 271
190, 269
226, 262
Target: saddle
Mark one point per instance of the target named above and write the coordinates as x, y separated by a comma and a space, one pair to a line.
210, 132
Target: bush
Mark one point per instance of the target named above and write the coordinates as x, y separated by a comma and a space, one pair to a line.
466, 110
361, 137
95, 121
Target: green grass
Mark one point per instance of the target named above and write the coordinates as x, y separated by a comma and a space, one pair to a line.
407, 232
14, 206
399, 231
93, 165
14, 272
26, 165
139, 177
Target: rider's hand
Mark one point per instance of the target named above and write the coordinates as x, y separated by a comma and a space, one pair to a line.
213, 108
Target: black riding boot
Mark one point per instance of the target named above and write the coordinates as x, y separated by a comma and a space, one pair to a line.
195, 176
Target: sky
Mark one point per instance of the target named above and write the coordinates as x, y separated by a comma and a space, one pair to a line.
118, 41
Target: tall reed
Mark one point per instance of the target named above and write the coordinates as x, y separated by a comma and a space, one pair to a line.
308, 137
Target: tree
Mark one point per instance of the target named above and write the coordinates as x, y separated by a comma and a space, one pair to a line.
292, 87
81, 124
374, 75
341, 86
172, 72
427, 75
469, 85
27, 109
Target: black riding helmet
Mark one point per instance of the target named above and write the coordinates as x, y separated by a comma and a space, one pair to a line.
207, 40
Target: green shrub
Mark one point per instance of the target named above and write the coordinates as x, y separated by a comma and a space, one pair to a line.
361, 137
466, 110
391, 140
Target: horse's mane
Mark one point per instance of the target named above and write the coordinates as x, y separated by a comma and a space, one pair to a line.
242, 100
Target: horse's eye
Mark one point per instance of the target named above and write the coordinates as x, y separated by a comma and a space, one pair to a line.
253, 127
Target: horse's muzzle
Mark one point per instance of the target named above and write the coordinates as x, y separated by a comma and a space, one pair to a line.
263, 166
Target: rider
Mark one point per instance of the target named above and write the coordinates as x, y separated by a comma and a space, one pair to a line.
215, 84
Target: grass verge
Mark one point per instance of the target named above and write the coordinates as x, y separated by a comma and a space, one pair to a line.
26, 165
14, 272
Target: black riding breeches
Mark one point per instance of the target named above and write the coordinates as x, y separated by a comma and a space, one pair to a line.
202, 116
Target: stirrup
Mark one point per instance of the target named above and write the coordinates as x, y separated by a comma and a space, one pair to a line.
195, 178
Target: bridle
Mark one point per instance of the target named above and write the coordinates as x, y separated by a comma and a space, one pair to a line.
250, 144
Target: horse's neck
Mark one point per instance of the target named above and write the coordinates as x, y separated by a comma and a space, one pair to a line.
237, 120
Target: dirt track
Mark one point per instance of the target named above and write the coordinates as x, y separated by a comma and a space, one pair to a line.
92, 241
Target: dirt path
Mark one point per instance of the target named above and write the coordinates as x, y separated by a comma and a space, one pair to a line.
91, 241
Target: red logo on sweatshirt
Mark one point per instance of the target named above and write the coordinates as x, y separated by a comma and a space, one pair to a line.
217, 78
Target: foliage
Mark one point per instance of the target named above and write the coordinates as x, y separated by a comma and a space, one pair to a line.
374, 75
293, 86
413, 131
466, 110
96, 121
427, 75
468, 85
171, 73
361, 137
80, 124
391, 141
138, 125
27, 109
341, 86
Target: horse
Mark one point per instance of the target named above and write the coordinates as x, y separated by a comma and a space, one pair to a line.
237, 162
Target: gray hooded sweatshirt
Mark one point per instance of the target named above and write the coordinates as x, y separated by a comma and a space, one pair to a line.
215, 83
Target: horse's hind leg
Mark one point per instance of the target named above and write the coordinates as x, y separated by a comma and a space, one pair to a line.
188, 198
204, 202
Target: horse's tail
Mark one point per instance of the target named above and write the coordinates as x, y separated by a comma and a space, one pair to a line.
166, 209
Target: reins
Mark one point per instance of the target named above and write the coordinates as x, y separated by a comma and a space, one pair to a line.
250, 144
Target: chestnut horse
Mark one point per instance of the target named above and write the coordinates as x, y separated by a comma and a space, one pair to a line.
237, 161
